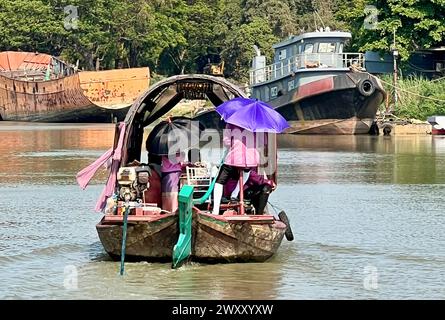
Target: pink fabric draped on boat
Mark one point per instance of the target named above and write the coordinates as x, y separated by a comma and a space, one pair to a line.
84, 176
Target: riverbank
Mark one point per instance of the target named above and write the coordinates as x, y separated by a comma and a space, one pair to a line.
417, 98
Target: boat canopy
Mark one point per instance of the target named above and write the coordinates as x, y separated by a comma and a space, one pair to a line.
164, 96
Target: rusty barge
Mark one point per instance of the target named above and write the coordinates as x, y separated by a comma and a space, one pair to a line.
39, 87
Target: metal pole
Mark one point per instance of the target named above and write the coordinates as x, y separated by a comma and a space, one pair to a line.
395, 53
124, 237
241, 192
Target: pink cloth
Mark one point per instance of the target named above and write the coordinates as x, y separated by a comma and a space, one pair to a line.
242, 147
169, 166
85, 175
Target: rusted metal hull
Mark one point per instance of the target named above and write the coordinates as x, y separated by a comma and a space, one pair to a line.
114, 89
71, 98
214, 239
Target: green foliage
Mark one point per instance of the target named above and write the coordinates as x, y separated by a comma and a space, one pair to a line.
238, 50
418, 98
417, 24
29, 25
169, 36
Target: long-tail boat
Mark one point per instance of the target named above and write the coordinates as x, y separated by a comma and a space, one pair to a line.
133, 217
40, 87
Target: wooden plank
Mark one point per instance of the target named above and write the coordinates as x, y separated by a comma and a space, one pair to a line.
150, 218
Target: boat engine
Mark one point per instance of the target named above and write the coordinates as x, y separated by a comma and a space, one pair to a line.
132, 182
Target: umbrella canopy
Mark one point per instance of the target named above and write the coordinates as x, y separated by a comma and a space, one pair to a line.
252, 115
173, 135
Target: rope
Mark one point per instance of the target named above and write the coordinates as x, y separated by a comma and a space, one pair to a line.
274, 207
412, 93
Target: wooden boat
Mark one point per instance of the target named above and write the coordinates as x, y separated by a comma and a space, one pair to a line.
39, 87
193, 233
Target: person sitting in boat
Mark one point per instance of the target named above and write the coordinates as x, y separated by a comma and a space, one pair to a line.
194, 156
171, 170
257, 188
242, 156
154, 160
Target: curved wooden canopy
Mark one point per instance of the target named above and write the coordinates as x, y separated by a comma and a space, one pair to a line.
164, 96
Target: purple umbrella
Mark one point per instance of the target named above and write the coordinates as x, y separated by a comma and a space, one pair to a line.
252, 115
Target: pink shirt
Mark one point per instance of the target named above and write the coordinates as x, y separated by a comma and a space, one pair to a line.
242, 147
169, 166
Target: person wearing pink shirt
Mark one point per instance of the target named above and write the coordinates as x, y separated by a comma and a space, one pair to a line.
171, 172
242, 155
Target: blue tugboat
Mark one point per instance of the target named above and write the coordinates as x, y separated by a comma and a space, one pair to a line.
316, 86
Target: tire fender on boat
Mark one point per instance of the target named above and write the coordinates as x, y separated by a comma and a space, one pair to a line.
366, 87
289, 234
387, 129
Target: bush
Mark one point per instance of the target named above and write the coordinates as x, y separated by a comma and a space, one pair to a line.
415, 97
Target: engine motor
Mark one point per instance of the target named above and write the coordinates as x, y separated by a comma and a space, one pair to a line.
133, 181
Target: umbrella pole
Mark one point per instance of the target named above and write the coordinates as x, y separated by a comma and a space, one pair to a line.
241, 192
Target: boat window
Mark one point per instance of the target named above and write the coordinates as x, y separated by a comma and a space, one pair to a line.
340, 49
326, 47
273, 91
290, 85
308, 48
282, 54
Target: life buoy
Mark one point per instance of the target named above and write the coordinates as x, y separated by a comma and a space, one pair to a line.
366, 87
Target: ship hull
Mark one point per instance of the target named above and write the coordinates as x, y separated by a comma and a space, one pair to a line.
103, 96
346, 103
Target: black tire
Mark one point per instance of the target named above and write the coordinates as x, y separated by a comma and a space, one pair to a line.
387, 129
366, 87
289, 234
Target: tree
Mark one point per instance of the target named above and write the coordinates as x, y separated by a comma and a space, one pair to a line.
29, 25
417, 24
238, 50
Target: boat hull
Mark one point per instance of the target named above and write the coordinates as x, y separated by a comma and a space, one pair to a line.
218, 240
90, 97
214, 239
146, 240
335, 104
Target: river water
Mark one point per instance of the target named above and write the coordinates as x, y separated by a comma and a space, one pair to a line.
367, 214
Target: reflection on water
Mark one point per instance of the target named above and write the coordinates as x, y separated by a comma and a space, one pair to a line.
47, 153
356, 204
363, 159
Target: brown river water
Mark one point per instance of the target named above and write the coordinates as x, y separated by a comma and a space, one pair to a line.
367, 215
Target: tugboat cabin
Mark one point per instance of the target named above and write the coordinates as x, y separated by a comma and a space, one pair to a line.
300, 59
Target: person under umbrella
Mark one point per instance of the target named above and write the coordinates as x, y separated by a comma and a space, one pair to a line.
244, 118
169, 140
